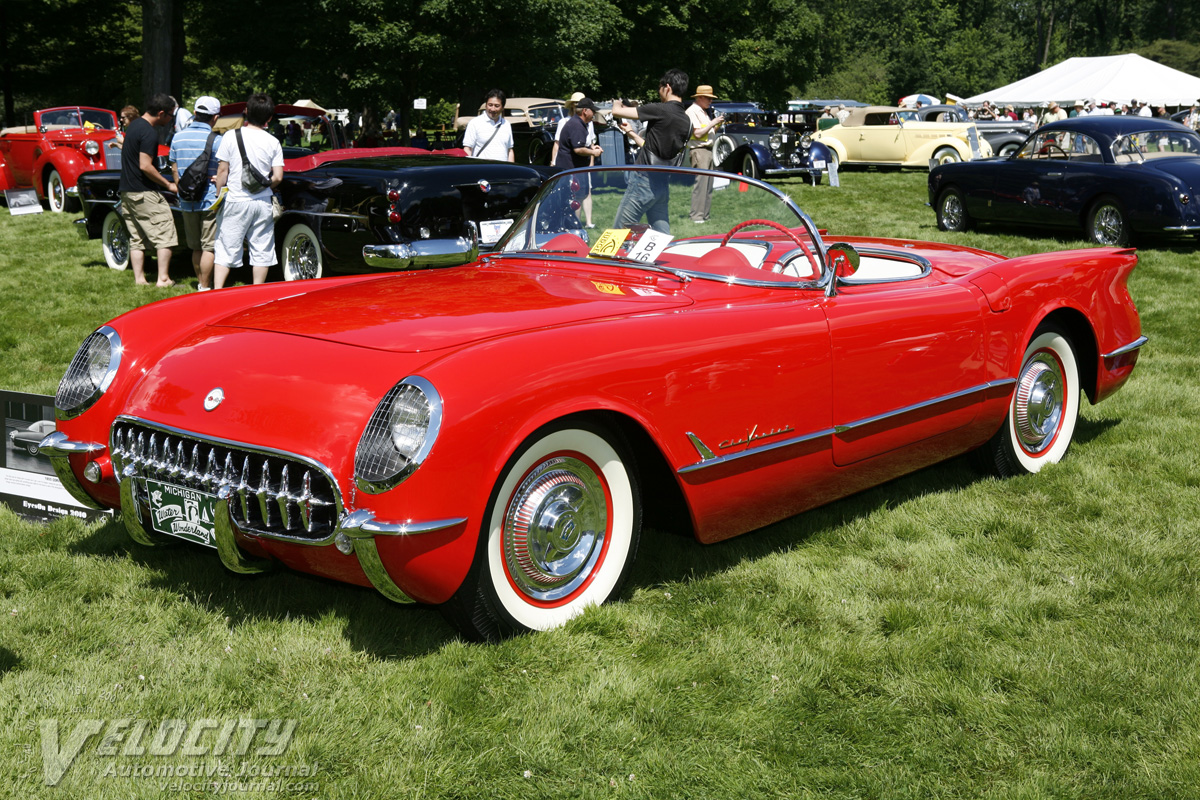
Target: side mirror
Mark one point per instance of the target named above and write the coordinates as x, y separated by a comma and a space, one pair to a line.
842, 260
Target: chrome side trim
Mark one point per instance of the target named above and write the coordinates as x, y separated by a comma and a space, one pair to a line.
838, 429
1183, 228
1136, 344
705, 453
983, 387
753, 451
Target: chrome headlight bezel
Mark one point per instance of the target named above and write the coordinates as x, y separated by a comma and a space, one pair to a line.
776, 142
399, 436
91, 147
90, 373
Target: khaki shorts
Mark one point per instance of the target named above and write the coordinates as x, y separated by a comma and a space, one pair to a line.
149, 221
200, 229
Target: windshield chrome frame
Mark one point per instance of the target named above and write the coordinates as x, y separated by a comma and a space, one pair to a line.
820, 251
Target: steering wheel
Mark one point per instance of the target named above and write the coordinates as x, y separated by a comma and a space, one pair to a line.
1050, 146
788, 232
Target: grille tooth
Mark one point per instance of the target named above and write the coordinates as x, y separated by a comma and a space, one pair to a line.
268, 503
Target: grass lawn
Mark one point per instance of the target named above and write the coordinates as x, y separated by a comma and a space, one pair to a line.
946, 635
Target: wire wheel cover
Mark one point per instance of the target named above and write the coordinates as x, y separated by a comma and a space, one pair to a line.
556, 528
302, 258
1109, 225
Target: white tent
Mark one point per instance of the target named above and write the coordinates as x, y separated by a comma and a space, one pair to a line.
1110, 78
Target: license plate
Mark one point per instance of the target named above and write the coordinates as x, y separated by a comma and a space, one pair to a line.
184, 513
490, 230
818, 165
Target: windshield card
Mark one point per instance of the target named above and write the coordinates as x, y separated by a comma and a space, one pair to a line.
180, 512
650, 244
609, 243
490, 230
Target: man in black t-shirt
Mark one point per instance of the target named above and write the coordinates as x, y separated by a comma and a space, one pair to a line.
147, 216
573, 149
667, 132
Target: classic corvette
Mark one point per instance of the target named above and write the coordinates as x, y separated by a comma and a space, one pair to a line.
489, 437
356, 209
60, 145
881, 136
756, 143
1112, 177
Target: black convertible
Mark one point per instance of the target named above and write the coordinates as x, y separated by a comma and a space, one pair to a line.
1114, 177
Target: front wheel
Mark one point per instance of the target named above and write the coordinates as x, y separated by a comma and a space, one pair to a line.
114, 240
952, 211
56, 193
946, 155
1107, 225
560, 534
1042, 413
301, 254
750, 166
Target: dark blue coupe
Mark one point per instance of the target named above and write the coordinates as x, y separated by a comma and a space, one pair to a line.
1114, 177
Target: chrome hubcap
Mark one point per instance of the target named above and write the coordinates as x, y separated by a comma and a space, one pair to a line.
57, 194
555, 528
952, 211
1039, 403
303, 260
1109, 225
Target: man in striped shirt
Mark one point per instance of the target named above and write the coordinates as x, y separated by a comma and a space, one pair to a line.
199, 216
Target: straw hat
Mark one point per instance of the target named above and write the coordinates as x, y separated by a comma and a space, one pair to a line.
704, 90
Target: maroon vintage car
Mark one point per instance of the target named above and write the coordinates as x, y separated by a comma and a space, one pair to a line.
60, 145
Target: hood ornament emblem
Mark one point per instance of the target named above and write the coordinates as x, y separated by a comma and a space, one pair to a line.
484, 186
214, 399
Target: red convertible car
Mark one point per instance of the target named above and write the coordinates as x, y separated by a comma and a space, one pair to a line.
60, 145
488, 437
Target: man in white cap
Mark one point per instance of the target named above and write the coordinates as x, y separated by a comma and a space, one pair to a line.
199, 216
700, 147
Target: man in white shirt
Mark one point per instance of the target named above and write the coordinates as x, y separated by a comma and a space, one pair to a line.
246, 212
490, 135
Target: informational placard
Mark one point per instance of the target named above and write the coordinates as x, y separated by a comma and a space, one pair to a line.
649, 245
420, 104
609, 243
22, 201
28, 484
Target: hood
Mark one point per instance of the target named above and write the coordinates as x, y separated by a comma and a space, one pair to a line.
437, 309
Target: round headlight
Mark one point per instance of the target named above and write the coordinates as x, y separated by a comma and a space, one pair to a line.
90, 374
776, 141
806, 141
91, 147
399, 435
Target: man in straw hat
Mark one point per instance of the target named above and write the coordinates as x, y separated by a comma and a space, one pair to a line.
700, 146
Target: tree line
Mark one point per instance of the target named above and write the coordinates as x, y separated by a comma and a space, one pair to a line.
381, 54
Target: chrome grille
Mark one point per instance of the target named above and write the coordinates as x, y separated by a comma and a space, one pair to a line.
272, 494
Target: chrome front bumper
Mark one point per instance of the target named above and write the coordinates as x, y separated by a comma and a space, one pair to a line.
422, 254
355, 531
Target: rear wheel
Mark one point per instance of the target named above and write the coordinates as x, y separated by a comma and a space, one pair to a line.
114, 240
301, 254
952, 211
1008, 149
722, 149
1042, 413
560, 534
1107, 224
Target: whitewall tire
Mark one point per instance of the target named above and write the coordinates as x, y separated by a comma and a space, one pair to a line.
114, 240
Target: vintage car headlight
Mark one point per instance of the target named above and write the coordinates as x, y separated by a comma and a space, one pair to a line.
91, 147
91, 373
776, 142
399, 435
806, 141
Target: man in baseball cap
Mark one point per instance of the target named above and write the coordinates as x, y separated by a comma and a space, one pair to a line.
199, 216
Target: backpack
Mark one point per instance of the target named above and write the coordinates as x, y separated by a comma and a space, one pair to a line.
193, 183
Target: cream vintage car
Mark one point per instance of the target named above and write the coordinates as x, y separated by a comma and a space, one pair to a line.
880, 136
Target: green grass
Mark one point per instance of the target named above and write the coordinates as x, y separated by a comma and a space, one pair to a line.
946, 635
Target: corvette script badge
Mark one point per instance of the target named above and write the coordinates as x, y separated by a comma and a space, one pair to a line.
214, 399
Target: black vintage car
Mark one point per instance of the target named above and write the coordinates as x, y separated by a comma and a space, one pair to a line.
759, 144
362, 213
1115, 177
1004, 135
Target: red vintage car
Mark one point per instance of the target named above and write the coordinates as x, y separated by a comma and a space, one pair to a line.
60, 145
488, 437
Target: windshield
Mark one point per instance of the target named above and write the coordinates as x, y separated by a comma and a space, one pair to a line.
1155, 144
89, 118
641, 215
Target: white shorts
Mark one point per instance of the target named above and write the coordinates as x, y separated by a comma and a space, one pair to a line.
251, 221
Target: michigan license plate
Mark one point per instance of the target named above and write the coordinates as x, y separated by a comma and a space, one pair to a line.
184, 513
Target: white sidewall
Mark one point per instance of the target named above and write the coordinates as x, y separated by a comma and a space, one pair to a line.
609, 570
1062, 349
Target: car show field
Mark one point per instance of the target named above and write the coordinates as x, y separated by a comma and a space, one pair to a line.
942, 634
